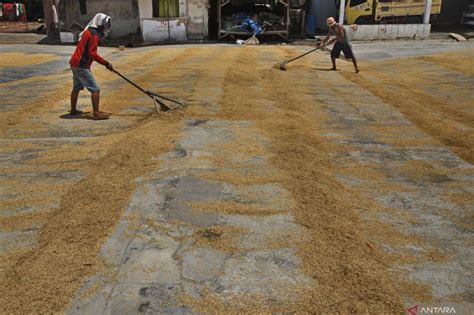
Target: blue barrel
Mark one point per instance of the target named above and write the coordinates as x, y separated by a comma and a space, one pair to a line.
310, 25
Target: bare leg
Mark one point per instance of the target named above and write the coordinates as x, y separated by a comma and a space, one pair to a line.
74, 96
354, 61
95, 97
333, 63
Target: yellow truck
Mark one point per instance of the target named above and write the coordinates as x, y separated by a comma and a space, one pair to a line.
388, 11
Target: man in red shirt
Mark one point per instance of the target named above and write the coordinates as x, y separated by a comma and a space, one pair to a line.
81, 61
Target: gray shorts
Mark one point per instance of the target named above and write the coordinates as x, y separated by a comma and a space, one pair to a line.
83, 78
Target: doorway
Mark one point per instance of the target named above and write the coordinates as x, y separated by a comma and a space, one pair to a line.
213, 23
34, 10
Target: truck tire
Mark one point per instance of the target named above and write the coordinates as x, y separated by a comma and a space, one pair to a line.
413, 20
363, 20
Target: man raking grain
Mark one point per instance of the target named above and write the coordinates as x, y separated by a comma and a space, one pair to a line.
81, 61
342, 43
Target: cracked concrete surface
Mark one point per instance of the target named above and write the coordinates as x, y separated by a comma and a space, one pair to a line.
154, 251
427, 198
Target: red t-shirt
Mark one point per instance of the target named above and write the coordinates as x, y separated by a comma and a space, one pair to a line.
86, 50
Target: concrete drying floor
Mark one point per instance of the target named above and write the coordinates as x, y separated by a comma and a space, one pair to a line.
306, 190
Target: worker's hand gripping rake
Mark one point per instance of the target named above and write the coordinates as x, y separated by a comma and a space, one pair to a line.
158, 99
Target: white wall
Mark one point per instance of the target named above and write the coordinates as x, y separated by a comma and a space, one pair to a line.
197, 25
157, 30
389, 31
192, 22
145, 8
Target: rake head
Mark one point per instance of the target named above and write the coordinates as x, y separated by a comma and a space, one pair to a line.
160, 105
282, 66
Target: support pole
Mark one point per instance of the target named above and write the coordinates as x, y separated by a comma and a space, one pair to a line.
342, 9
374, 11
426, 17
168, 19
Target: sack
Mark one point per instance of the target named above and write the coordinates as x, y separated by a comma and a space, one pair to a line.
252, 41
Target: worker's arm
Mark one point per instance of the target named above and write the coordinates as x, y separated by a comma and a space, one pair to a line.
327, 36
95, 55
326, 40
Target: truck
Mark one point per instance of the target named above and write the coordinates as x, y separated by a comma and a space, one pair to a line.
388, 11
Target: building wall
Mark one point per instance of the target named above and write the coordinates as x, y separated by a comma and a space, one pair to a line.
145, 9
161, 29
197, 24
191, 24
124, 14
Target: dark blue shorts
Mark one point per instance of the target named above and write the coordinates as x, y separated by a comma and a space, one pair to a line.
83, 78
344, 47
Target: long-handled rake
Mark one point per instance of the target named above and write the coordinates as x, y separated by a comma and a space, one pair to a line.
282, 66
157, 99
